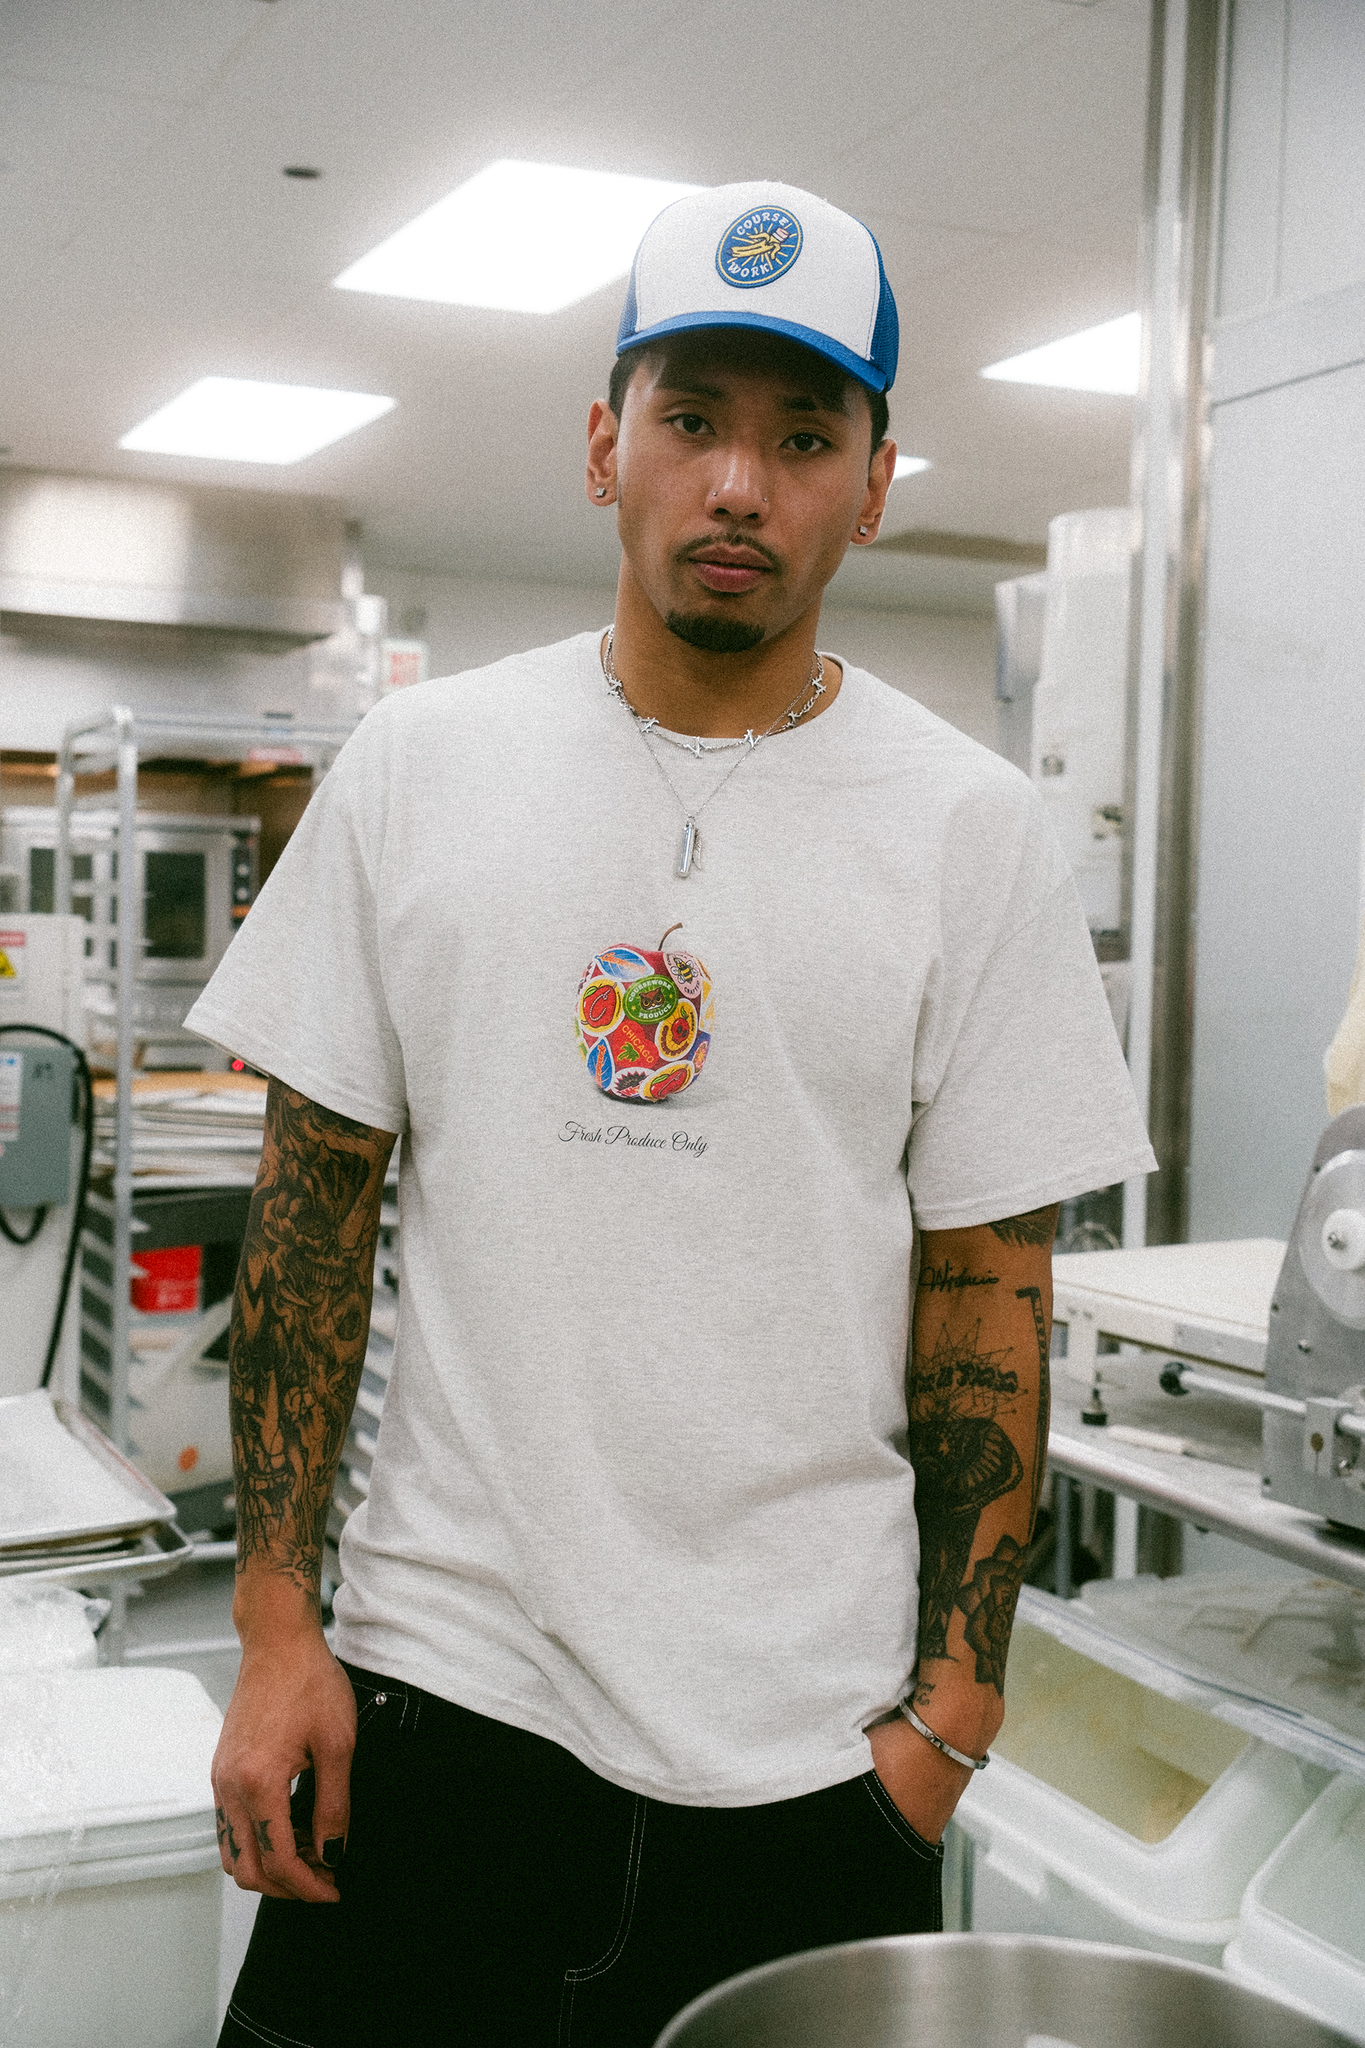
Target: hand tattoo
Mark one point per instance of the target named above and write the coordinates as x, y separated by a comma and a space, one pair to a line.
300, 1322
1034, 1227
988, 1601
263, 1841
225, 1834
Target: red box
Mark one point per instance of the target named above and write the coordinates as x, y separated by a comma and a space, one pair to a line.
167, 1282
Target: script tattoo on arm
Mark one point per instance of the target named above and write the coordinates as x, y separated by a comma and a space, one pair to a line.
300, 1322
946, 1278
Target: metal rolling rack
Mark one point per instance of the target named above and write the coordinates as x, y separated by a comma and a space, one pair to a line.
121, 739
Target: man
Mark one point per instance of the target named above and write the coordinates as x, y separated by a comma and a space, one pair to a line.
671, 1629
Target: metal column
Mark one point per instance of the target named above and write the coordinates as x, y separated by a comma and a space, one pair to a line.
128, 927
1170, 444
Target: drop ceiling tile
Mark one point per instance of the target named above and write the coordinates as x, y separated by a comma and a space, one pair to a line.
702, 98
61, 151
132, 49
1021, 145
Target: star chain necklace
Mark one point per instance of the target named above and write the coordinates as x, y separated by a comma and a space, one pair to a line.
690, 841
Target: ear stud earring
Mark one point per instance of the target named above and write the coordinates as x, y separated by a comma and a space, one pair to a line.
862, 529
601, 490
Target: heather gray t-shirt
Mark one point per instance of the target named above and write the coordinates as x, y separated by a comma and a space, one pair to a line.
641, 1483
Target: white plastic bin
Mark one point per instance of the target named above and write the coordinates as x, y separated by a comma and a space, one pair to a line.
1302, 1935
1296, 1641
47, 1628
1110, 1813
110, 1888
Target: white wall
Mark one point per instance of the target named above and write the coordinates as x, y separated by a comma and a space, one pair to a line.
1283, 737
945, 660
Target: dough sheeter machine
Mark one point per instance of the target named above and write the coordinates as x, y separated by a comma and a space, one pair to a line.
1255, 1346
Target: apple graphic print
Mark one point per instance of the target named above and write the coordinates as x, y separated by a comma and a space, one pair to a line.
645, 1020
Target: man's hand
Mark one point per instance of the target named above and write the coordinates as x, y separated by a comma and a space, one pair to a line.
922, 1784
292, 1709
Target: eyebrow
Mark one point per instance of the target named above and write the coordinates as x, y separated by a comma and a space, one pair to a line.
804, 402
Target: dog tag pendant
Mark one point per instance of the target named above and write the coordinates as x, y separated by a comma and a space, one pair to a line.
686, 848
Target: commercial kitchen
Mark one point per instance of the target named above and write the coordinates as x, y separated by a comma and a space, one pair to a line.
306, 307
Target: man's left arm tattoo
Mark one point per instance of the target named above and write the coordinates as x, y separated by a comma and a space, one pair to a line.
978, 1437
1034, 1297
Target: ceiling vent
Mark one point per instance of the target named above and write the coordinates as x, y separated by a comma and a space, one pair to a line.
262, 566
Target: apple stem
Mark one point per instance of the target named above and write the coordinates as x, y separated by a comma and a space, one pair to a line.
669, 933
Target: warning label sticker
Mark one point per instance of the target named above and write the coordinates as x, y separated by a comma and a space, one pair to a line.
11, 959
11, 1095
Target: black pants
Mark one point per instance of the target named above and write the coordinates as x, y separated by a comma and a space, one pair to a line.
496, 1893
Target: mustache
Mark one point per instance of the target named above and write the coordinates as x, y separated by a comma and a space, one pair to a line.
728, 540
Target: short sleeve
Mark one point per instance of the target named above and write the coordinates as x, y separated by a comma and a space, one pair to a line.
1034, 1104
300, 992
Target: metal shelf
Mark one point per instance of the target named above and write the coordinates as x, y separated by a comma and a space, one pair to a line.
122, 738
1213, 1495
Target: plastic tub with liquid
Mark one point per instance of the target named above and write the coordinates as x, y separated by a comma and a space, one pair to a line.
1111, 1813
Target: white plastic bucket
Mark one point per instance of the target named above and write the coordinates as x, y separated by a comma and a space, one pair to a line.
110, 1890
1302, 1935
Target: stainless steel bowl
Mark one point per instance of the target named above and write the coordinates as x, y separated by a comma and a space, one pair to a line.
988, 1991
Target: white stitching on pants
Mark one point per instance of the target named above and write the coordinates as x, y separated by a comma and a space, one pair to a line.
573, 1978
269, 2036
896, 1821
366, 1712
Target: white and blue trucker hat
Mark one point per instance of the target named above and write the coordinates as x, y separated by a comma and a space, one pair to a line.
767, 256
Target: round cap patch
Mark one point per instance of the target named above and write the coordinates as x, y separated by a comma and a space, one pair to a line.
758, 247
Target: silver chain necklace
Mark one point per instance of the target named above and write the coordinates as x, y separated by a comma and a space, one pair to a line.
785, 720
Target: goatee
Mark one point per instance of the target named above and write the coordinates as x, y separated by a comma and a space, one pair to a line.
713, 635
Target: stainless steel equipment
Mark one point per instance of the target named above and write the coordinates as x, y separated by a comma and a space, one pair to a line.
987, 1991
1313, 1400
149, 552
197, 878
1314, 1433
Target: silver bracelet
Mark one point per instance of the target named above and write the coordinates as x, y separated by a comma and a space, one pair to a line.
968, 1763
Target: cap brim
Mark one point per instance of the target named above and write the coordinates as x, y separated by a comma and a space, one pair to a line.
867, 374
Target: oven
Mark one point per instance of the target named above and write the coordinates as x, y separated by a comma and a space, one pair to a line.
196, 879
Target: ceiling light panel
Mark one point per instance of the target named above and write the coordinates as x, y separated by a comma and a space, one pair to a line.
525, 238
1104, 358
236, 419
910, 465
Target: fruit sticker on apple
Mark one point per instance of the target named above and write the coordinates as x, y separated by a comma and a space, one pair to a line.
645, 1020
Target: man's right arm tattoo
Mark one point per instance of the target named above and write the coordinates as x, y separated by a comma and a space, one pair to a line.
300, 1323
1034, 1227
